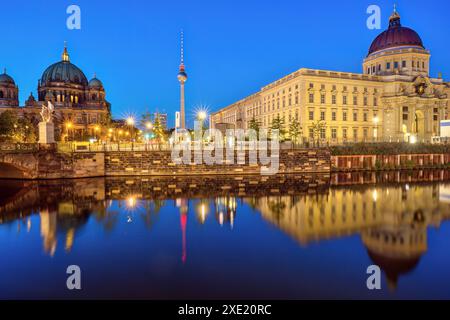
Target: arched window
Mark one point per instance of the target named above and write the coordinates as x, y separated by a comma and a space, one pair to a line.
94, 97
1, 94
76, 79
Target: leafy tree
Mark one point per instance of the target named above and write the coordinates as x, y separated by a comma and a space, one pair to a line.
254, 124
159, 130
8, 126
145, 118
295, 130
317, 127
26, 130
278, 124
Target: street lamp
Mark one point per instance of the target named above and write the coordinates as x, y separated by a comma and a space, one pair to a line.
68, 127
96, 130
149, 125
130, 123
201, 115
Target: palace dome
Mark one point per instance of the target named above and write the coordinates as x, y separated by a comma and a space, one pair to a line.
6, 79
64, 71
396, 36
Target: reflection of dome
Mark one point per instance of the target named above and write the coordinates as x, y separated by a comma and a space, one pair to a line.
64, 71
394, 267
6, 79
396, 36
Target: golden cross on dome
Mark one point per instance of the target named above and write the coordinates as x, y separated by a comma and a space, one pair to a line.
65, 55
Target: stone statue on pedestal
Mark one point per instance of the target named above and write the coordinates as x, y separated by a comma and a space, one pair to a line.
46, 126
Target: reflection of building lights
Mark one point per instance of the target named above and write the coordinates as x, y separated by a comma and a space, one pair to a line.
375, 195
221, 219
231, 219
407, 187
131, 202
202, 211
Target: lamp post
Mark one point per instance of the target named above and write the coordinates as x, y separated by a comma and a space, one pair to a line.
96, 130
68, 127
130, 123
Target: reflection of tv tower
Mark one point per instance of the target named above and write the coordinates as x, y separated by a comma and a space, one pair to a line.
183, 205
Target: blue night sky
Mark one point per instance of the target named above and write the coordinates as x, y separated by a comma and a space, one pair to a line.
232, 47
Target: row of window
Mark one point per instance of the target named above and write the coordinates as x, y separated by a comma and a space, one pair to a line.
414, 64
311, 116
8, 95
345, 133
344, 100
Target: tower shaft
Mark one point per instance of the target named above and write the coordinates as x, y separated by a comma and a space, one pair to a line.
182, 111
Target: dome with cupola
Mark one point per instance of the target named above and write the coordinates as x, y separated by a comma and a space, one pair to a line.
6, 79
9, 92
95, 83
396, 36
64, 72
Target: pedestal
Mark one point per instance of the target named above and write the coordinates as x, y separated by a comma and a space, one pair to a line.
46, 132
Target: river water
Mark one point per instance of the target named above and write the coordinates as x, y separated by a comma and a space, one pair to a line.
281, 237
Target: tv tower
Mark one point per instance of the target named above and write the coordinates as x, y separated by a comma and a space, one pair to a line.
182, 77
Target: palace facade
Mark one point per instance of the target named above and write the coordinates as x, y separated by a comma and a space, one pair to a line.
80, 105
394, 99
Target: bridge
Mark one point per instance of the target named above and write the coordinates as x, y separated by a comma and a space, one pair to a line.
34, 161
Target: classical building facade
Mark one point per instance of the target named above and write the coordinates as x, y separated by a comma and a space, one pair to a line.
80, 105
394, 99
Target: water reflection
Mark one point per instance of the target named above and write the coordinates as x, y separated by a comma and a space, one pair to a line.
391, 212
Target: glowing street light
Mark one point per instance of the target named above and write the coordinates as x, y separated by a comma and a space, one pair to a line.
149, 125
201, 115
130, 121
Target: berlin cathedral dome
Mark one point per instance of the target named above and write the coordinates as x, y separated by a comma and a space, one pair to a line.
64, 71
